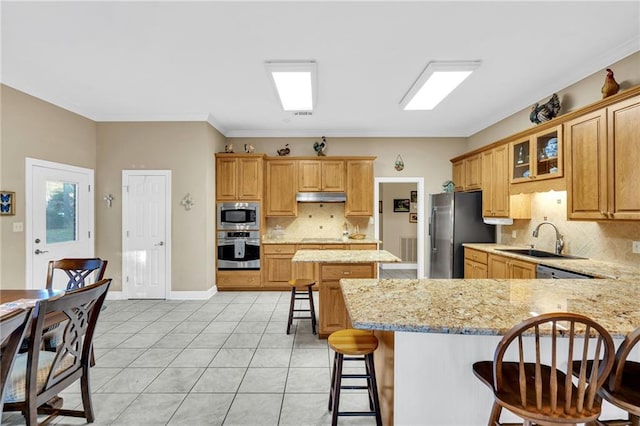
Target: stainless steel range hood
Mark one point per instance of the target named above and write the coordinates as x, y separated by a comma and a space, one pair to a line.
321, 197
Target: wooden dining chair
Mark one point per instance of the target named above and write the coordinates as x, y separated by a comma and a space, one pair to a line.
77, 270
40, 375
622, 388
12, 329
541, 393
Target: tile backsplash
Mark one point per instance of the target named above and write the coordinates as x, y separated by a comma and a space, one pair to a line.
608, 241
319, 220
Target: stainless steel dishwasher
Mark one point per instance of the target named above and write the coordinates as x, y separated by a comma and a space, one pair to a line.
556, 273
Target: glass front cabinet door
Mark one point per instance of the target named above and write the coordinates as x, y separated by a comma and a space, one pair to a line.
537, 157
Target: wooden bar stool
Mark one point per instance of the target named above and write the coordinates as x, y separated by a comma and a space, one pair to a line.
301, 290
359, 345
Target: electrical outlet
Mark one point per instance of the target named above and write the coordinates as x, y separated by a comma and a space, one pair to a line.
18, 227
635, 247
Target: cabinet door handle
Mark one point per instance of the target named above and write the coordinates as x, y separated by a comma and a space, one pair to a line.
346, 273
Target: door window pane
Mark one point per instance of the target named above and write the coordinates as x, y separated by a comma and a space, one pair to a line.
61, 212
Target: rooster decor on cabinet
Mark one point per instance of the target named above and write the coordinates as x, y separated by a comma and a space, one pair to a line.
610, 86
546, 111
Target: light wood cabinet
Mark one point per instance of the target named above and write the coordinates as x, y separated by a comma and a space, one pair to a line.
280, 192
321, 175
602, 163
495, 179
467, 173
359, 188
239, 177
333, 314
475, 263
506, 267
277, 268
537, 157
238, 280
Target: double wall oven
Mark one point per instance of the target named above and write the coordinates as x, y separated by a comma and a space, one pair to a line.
238, 236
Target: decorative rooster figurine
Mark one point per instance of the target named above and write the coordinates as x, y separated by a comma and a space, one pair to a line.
610, 86
321, 148
284, 151
545, 112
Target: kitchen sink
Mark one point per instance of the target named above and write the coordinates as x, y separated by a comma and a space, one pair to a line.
539, 253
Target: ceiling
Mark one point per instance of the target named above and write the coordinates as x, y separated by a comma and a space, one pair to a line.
197, 61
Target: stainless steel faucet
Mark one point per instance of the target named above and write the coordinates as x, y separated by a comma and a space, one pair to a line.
559, 236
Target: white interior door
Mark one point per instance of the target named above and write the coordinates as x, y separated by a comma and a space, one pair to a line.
146, 219
59, 216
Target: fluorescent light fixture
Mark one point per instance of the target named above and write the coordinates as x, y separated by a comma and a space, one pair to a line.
294, 83
436, 81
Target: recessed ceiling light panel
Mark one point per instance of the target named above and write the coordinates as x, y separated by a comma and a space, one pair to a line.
294, 83
434, 84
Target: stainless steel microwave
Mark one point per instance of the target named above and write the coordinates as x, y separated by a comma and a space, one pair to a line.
239, 216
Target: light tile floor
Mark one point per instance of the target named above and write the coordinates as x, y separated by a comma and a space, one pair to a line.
223, 361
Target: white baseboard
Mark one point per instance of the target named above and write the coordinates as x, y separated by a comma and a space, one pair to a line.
193, 295
115, 295
173, 295
399, 265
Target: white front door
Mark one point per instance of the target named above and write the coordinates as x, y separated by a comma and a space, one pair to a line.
59, 216
146, 226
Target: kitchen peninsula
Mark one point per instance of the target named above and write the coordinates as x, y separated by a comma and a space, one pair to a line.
441, 327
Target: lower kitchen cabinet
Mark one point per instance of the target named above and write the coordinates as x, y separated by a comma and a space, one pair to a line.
332, 311
506, 267
277, 268
238, 280
475, 264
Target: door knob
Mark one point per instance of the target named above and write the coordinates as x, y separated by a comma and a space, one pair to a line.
38, 251
161, 243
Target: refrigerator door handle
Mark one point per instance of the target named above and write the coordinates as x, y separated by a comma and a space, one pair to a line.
432, 228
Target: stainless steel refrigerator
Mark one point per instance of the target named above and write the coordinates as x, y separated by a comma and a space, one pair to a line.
456, 218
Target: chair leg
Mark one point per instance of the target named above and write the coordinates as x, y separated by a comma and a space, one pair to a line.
291, 305
495, 415
634, 420
85, 388
333, 381
313, 311
336, 389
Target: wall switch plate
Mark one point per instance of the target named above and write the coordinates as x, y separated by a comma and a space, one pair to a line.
514, 234
635, 247
18, 227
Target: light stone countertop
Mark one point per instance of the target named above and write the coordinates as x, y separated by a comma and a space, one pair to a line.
596, 268
344, 256
486, 306
311, 240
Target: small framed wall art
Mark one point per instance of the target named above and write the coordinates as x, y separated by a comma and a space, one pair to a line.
7, 203
413, 217
401, 205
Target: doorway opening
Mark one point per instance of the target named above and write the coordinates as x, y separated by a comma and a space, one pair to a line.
402, 228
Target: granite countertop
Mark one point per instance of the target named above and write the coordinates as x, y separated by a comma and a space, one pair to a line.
319, 240
486, 306
595, 268
344, 256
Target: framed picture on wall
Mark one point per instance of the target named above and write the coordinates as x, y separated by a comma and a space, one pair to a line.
414, 196
401, 205
413, 217
7, 203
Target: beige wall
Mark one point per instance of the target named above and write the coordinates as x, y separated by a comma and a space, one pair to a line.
576, 96
185, 148
37, 129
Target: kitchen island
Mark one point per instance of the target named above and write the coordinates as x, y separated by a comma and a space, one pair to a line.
441, 327
334, 265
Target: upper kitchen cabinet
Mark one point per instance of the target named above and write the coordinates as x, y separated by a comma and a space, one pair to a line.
602, 163
280, 194
239, 177
467, 173
359, 187
538, 156
321, 175
495, 179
